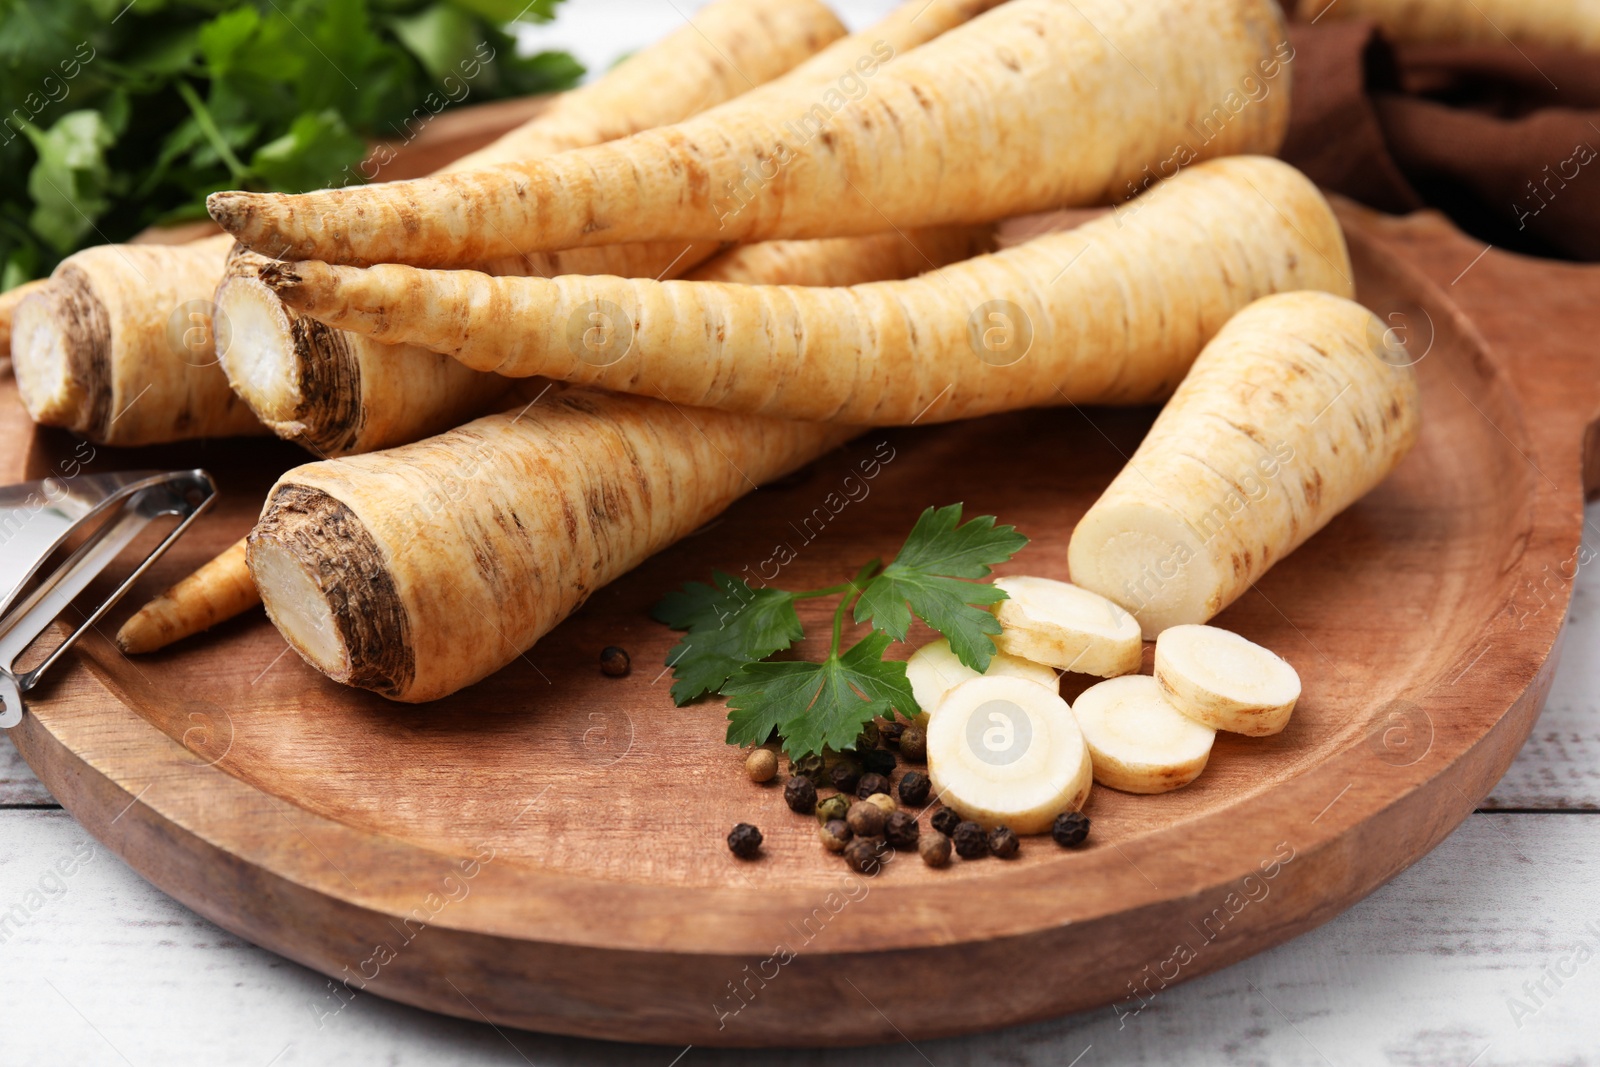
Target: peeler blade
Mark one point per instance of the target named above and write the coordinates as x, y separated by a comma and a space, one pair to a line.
39, 518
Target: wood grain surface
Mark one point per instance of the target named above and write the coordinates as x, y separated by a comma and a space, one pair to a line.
590, 812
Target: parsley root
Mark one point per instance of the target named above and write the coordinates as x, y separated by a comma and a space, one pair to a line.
216, 592
1293, 412
417, 571
1032, 105
1574, 24
1112, 312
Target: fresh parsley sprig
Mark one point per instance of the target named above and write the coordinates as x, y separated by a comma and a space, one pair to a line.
732, 629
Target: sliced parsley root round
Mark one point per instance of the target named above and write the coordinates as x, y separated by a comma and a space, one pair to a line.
417, 571
732, 629
1114, 311
934, 670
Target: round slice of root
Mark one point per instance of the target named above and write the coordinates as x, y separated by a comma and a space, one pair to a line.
1225, 681
1139, 742
934, 670
1066, 626
1006, 751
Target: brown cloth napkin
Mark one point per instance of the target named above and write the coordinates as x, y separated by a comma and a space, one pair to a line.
1505, 140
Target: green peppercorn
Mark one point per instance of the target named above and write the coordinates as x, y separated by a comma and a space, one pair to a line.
866, 820
845, 775
878, 761
945, 820
970, 841
889, 733
1070, 829
834, 807
811, 766
745, 841
1003, 843
934, 849
800, 794
870, 784
868, 737
914, 788
900, 829
761, 765
835, 834
862, 855
614, 661
914, 744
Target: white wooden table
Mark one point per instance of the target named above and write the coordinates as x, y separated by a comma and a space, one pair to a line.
1481, 954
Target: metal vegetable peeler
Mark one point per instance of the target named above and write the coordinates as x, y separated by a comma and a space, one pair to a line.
39, 518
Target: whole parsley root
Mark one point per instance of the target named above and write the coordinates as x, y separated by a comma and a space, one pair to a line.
340, 393
1114, 311
733, 628
1047, 110
377, 588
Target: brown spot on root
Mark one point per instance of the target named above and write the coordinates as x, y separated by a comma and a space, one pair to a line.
1312, 487
282, 278
326, 537
86, 340
330, 406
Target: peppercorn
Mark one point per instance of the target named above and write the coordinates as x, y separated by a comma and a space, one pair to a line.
889, 733
1070, 829
835, 834
883, 801
878, 761
866, 820
870, 784
868, 738
1003, 843
761, 765
970, 841
811, 766
900, 829
800, 794
934, 849
914, 788
914, 744
862, 855
614, 661
834, 807
945, 820
845, 775
745, 841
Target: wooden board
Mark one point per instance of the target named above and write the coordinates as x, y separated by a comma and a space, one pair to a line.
545, 850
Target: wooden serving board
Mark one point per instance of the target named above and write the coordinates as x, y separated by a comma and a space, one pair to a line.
546, 849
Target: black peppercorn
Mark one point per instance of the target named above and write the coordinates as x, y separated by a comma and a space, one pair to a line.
1003, 843
834, 807
914, 788
970, 841
870, 784
800, 794
835, 834
845, 775
945, 820
914, 744
866, 819
868, 737
745, 841
1070, 829
811, 766
889, 733
934, 849
878, 760
862, 855
900, 829
614, 661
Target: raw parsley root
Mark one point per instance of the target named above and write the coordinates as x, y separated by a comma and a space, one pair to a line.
732, 629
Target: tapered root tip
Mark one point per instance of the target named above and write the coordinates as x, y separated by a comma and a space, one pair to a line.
244, 216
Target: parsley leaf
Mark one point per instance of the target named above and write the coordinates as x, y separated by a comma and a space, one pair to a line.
729, 624
817, 705
926, 579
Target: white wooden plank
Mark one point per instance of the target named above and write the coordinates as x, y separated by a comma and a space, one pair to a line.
18, 786
109, 971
